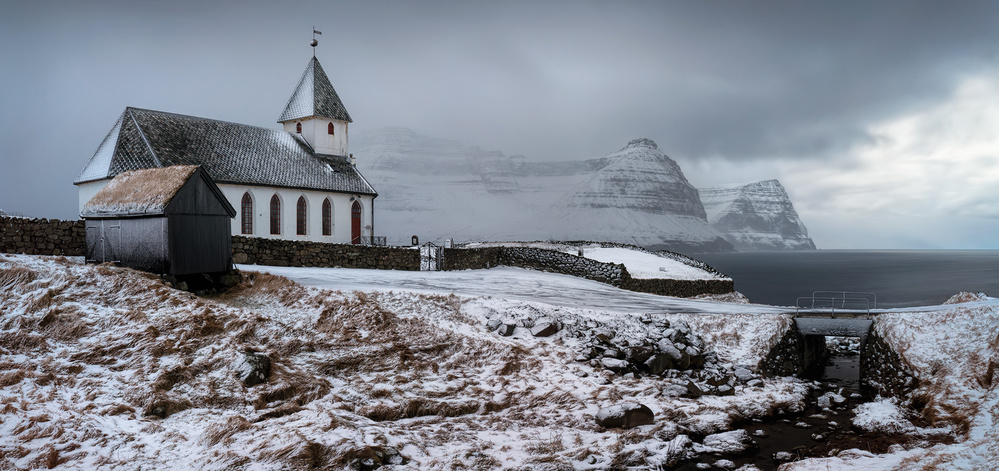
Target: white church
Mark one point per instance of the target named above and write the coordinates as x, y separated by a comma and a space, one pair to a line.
299, 183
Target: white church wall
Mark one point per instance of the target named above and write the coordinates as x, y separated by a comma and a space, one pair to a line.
89, 189
261, 197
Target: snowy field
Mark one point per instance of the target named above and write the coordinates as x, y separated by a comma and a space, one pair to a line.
108, 368
640, 264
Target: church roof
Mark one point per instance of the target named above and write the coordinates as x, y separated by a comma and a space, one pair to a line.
230, 152
314, 97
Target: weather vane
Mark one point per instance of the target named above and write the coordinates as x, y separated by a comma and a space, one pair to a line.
314, 43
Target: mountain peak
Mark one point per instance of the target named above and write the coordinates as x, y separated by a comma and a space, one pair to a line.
642, 142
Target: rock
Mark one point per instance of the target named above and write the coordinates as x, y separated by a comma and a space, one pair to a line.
230, 279
625, 415
725, 464
659, 363
614, 353
614, 364
668, 348
726, 390
506, 330
253, 369
493, 324
736, 441
639, 354
743, 374
544, 329
783, 456
693, 391
674, 390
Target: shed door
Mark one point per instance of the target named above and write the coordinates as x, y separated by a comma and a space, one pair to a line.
103, 241
355, 223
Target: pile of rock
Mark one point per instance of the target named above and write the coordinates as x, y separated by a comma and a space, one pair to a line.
648, 345
664, 348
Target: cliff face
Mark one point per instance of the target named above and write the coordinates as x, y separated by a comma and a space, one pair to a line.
639, 196
756, 216
438, 188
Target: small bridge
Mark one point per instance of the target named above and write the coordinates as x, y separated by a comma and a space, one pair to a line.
836, 313
832, 313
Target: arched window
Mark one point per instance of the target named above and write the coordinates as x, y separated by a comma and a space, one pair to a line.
300, 210
327, 217
298, 128
275, 214
246, 216
329, 129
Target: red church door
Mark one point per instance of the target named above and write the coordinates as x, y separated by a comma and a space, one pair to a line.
355, 223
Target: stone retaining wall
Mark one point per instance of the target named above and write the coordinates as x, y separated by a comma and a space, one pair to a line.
286, 253
559, 262
42, 236
882, 370
679, 288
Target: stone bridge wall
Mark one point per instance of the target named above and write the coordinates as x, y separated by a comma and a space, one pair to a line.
882, 370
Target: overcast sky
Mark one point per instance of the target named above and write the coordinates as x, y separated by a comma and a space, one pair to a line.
880, 118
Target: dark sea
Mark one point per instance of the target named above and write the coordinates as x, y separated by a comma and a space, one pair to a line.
900, 278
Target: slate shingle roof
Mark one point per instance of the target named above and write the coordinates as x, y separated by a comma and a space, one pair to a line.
314, 96
229, 152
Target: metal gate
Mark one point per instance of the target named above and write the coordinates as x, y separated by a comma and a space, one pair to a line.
431, 257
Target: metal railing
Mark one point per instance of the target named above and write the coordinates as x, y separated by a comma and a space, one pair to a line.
378, 241
844, 301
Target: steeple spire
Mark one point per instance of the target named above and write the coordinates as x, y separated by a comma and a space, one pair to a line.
314, 97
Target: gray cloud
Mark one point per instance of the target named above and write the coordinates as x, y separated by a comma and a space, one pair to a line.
737, 82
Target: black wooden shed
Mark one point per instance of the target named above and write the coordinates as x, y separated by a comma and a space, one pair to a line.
171, 220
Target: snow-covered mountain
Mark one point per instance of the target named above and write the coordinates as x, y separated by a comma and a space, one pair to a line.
437, 188
756, 216
639, 196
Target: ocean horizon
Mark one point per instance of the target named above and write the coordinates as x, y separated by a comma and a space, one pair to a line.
899, 277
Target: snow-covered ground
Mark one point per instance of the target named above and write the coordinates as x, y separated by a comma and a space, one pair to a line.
639, 262
398, 366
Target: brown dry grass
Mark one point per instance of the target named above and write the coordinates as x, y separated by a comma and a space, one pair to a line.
16, 275
419, 407
222, 432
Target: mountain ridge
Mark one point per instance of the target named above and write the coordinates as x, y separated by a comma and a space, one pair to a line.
440, 188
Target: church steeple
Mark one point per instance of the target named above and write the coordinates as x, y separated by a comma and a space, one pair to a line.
316, 112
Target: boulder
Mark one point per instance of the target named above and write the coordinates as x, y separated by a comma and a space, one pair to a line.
736, 441
625, 415
544, 329
614, 364
254, 368
506, 330
659, 363
493, 324
639, 354
743, 374
693, 391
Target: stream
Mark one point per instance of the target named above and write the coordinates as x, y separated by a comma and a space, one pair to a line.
824, 428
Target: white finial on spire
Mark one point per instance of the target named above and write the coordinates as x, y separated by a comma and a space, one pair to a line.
314, 42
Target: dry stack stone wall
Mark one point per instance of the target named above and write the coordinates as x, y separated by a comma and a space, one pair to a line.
55, 237
42, 236
286, 253
883, 371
